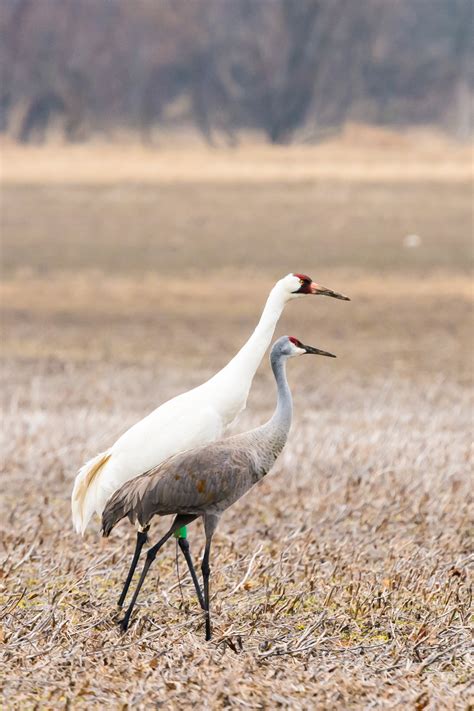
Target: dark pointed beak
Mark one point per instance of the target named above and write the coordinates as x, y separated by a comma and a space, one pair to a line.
316, 351
323, 291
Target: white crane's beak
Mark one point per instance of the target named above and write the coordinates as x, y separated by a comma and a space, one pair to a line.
324, 291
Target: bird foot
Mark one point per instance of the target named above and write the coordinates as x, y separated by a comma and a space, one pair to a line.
123, 624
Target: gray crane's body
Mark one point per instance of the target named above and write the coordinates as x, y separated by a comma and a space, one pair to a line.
207, 480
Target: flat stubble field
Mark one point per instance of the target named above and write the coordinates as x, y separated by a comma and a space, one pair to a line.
343, 581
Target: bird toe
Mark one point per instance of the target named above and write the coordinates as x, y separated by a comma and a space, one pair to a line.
123, 624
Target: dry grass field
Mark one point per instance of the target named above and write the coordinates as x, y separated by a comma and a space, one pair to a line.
345, 580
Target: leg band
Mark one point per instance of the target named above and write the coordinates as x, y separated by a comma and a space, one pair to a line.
181, 532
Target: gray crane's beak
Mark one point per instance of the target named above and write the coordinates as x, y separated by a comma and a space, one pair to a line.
323, 291
316, 351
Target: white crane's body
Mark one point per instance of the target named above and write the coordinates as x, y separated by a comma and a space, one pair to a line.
189, 420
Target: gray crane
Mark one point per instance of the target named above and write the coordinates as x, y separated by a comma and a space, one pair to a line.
207, 480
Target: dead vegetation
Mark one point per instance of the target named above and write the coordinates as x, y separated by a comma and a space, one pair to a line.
360, 154
344, 580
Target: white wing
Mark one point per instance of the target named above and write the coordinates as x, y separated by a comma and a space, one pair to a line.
177, 425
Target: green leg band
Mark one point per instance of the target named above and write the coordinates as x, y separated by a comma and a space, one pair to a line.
181, 532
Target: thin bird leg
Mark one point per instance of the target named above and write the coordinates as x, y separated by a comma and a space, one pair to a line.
210, 524
184, 545
206, 571
150, 557
142, 537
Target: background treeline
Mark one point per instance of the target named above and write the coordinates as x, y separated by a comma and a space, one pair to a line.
290, 69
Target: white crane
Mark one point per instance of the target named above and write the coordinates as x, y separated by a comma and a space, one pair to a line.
189, 420
207, 480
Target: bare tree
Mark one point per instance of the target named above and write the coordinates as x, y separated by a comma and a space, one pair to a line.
285, 50
274, 65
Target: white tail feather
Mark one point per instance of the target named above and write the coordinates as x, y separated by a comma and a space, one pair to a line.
82, 504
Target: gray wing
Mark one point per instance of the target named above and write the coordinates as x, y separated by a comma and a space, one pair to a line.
213, 476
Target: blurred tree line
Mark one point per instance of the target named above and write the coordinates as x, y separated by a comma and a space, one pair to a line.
287, 68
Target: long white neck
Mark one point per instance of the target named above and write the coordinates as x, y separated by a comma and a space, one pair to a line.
241, 369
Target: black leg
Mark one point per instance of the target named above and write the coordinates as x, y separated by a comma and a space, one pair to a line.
184, 545
142, 537
206, 571
150, 557
210, 524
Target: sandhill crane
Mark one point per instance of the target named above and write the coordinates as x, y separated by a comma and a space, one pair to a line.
207, 480
193, 418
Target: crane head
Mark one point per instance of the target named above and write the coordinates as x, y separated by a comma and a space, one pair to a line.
289, 347
303, 285
300, 349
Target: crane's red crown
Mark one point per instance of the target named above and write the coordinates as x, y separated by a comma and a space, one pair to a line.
305, 284
295, 341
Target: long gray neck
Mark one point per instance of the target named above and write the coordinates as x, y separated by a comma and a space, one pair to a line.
279, 425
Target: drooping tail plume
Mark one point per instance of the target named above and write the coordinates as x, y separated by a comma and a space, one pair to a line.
116, 509
82, 504
130, 500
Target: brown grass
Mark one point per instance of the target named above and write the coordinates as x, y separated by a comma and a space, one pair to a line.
344, 581
360, 154
202, 228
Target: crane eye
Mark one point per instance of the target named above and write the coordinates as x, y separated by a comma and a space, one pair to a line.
302, 282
